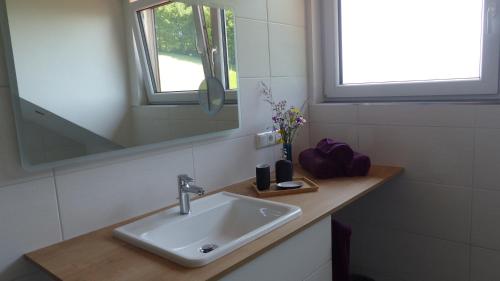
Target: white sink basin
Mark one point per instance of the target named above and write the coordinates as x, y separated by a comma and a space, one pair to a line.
218, 224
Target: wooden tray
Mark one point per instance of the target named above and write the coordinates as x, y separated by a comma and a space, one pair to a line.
309, 186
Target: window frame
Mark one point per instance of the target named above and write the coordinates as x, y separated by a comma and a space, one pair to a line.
486, 86
146, 67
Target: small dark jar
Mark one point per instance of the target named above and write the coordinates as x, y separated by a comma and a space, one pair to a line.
284, 171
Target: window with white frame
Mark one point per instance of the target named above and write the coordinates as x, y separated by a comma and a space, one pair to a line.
180, 44
410, 48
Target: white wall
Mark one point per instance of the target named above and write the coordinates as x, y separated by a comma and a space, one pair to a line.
440, 220
71, 59
271, 47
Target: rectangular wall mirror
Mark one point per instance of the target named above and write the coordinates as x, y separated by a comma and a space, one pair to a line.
91, 77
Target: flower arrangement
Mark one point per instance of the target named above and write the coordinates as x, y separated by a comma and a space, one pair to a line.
287, 121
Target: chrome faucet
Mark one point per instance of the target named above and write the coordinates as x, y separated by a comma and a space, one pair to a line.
186, 187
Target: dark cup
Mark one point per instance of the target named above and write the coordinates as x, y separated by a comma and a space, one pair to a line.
263, 176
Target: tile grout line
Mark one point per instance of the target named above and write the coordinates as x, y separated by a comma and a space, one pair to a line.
193, 161
474, 141
388, 227
25, 180
413, 126
93, 164
446, 185
269, 21
288, 24
357, 126
472, 196
486, 248
269, 41
395, 125
490, 189
63, 236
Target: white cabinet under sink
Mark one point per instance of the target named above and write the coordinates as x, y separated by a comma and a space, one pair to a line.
304, 257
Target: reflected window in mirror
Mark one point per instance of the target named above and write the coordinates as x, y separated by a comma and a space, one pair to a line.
184, 44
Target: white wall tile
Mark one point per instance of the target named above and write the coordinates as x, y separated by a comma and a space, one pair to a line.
219, 164
278, 153
334, 113
94, 198
444, 115
432, 154
338, 132
417, 207
255, 9
291, 89
301, 142
485, 219
487, 159
484, 265
29, 221
252, 48
255, 112
287, 12
11, 171
408, 256
488, 116
288, 50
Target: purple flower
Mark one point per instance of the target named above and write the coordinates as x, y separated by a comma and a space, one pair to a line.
286, 121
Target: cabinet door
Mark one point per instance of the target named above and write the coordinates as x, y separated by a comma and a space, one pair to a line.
302, 256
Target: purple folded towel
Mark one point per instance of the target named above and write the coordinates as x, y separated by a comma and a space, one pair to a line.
320, 167
339, 152
341, 244
359, 166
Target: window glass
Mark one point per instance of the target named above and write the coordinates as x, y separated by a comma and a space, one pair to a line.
171, 41
387, 41
231, 52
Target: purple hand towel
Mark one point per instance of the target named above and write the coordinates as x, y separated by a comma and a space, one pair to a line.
319, 166
359, 166
341, 250
339, 152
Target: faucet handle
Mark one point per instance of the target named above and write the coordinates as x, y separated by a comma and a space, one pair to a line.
185, 178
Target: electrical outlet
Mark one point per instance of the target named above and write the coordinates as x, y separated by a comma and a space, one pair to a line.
266, 139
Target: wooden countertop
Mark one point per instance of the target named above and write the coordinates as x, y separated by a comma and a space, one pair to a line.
98, 256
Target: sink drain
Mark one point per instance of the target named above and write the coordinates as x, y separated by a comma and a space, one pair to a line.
205, 249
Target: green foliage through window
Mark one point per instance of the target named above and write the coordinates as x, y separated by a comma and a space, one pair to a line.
175, 34
175, 29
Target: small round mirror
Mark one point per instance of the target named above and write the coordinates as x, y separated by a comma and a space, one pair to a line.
211, 95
